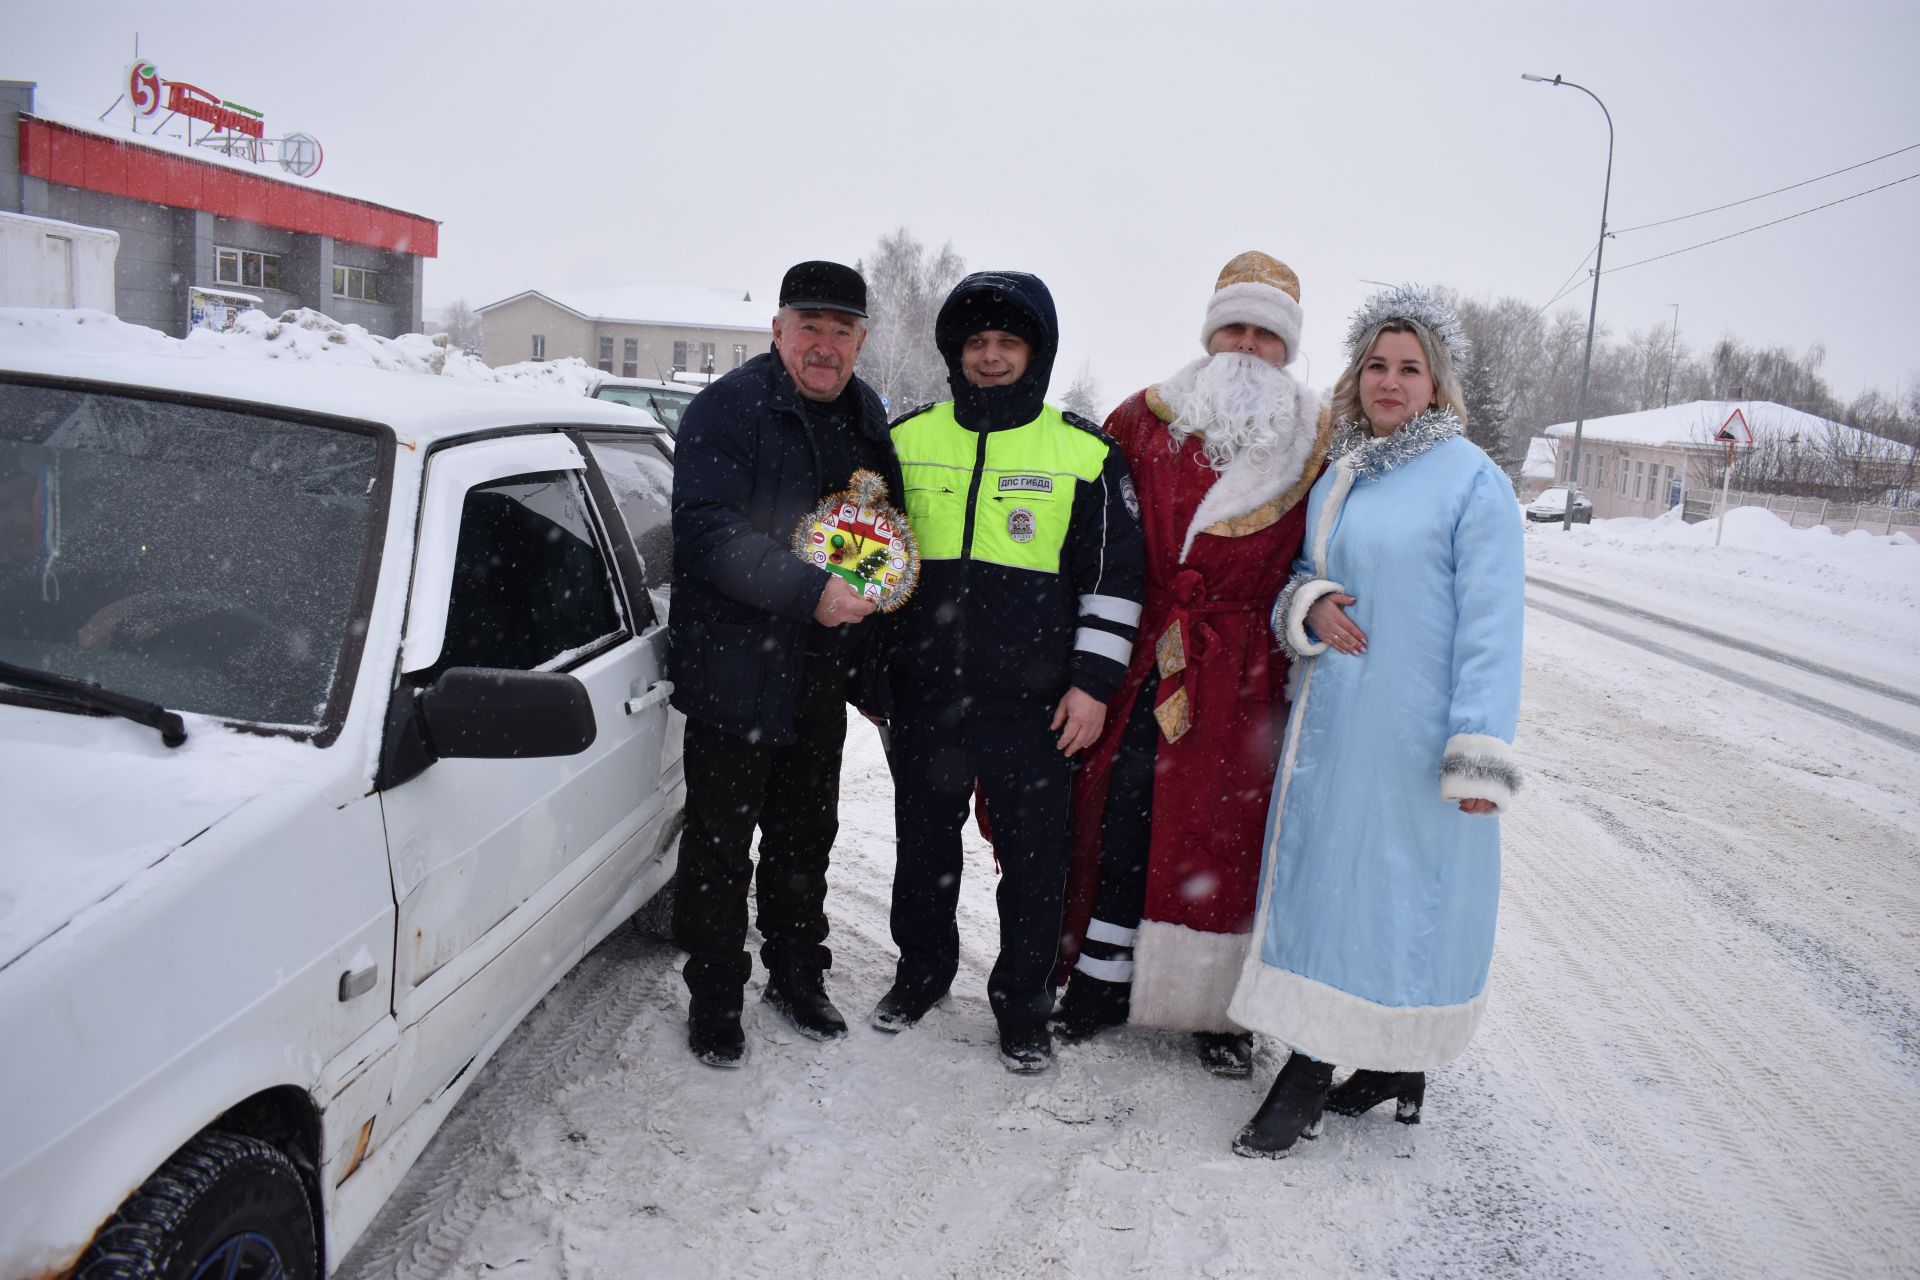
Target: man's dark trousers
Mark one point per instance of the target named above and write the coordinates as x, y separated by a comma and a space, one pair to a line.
792, 794
937, 753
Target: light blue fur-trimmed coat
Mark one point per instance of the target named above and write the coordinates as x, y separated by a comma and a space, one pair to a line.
1378, 896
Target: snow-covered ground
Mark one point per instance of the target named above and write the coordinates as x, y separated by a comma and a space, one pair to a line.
1701, 1057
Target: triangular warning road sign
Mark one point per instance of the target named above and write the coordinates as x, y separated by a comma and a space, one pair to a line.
1735, 429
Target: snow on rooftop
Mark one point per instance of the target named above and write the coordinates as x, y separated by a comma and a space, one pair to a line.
307, 360
1541, 455
1695, 423
693, 306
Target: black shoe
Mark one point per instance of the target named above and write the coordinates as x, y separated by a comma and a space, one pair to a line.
1027, 1049
1090, 1006
1291, 1111
713, 1032
801, 998
1226, 1053
903, 1006
1364, 1090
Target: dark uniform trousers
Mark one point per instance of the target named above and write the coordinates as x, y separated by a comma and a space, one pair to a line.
792, 794
1126, 827
937, 753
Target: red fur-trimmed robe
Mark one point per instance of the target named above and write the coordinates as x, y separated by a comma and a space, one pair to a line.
1219, 550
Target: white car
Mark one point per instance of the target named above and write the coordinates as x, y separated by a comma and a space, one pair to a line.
665, 401
1552, 505
333, 732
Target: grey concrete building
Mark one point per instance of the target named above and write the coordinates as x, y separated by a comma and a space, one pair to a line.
194, 219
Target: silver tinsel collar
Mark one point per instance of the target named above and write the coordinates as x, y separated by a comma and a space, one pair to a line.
1412, 302
1370, 458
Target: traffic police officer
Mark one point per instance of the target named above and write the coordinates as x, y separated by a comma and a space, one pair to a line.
1020, 630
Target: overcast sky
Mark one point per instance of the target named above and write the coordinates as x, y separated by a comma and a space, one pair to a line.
1121, 151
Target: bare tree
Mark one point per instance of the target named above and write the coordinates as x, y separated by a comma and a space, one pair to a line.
461, 324
905, 286
1083, 397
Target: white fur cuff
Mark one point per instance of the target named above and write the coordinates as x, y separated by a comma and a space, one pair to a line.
1477, 766
1336, 1026
1290, 614
1183, 978
1260, 304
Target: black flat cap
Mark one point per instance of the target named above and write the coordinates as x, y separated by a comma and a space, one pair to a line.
824, 286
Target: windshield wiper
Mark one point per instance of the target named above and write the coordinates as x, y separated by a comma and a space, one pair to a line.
85, 693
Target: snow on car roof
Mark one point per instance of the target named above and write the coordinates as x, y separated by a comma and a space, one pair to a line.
421, 407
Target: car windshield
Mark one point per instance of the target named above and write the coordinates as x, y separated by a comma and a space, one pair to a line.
201, 558
665, 406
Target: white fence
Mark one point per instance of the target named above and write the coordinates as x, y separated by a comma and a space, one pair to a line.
1805, 513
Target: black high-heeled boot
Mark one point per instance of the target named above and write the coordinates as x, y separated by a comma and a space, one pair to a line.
1291, 1111
1364, 1090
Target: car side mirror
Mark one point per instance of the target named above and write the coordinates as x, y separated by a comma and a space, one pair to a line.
484, 713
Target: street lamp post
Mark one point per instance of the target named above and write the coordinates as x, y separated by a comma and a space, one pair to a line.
1593, 309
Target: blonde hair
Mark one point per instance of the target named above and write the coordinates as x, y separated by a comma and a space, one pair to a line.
1446, 384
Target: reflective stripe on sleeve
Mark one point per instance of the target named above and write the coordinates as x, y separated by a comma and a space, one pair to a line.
1104, 643
1111, 608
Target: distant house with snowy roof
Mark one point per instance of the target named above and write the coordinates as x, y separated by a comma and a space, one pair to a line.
1640, 464
633, 331
1537, 473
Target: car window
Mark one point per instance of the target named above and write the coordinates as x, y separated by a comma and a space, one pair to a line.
531, 586
199, 557
641, 476
665, 406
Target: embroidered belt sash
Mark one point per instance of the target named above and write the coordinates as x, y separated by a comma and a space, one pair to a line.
1186, 643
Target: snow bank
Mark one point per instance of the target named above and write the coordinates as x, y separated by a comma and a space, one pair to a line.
301, 336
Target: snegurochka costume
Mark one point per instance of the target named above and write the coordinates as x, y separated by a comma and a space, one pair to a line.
1029, 586
1378, 895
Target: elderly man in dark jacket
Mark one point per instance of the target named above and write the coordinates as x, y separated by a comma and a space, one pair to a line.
762, 649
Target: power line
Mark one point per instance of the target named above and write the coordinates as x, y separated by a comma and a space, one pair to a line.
1567, 285
1763, 226
1763, 195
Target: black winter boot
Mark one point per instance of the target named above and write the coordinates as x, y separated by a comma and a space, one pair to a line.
801, 998
1090, 1006
1226, 1053
1026, 1050
903, 1006
1291, 1111
713, 1030
1364, 1090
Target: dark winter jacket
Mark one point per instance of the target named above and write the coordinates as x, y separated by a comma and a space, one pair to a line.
747, 470
1031, 571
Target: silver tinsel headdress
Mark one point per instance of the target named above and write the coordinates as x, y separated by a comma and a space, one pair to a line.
1411, 302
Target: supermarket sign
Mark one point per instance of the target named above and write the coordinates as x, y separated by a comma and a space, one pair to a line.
147, 93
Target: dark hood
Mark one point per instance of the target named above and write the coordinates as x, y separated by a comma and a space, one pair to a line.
1020, 304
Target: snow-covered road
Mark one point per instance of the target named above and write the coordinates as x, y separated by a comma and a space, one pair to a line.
1701, 1056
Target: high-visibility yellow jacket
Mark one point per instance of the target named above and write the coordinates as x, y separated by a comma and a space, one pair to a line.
1031, 562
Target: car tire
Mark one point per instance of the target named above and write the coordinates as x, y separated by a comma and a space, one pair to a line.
654, 919
221, 1199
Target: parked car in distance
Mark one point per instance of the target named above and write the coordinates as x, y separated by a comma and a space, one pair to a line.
666, 401
1552, 505
333, 733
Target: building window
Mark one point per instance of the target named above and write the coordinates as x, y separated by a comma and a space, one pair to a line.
539, 346
353, 282
1670, 497
1639, 478
1623, 477
739, 354
706, 357
245, 267
630, 358
679, 357
606, 356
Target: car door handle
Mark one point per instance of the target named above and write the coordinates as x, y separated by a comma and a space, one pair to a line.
657, 692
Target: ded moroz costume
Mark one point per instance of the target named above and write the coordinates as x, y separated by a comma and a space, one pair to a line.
1170, 807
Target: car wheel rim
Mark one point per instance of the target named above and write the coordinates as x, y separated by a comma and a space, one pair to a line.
248, 1256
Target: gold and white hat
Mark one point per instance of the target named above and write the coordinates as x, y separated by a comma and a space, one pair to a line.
1259, 290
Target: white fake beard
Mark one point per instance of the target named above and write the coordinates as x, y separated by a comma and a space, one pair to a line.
1235, 402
